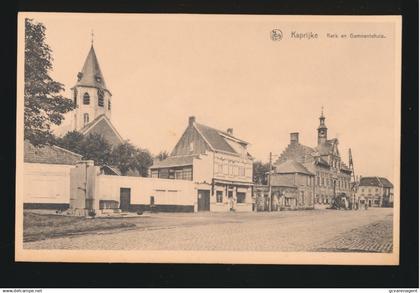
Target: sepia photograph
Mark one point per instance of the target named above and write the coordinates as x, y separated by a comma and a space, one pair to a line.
188, 138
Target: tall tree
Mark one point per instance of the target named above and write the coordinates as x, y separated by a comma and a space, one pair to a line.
143, 162
127, 157
123, 157
72, 141
44, 104
95, 147
260, 171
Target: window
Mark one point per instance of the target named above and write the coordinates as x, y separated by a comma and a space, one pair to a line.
152, 200
85, 118
240, 197
154, 174
219, 196
100, 98
75, 97
230, 169
109, 104
302, 197
235, 170
219, 168
86, 99
191, 146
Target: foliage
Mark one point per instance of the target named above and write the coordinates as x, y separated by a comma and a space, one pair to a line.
72, 141
44, 105
95, 147
260, 171
162, 155
129, 158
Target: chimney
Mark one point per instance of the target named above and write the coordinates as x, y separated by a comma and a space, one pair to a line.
294, 137
230, 131
191, 120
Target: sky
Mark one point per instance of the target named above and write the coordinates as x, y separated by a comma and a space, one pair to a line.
228, 73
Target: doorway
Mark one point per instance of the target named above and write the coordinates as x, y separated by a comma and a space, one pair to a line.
125, 199
203, 202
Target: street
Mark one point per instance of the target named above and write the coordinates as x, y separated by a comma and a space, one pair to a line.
309, 230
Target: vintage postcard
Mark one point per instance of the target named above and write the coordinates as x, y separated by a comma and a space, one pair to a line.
183, 138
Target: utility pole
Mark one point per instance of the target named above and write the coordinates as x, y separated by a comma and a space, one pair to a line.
269, 183
354, 185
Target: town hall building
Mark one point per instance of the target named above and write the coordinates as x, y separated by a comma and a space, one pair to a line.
321, 171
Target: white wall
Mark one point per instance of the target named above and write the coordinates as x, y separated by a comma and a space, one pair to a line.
46, 183
203, 168
165, 191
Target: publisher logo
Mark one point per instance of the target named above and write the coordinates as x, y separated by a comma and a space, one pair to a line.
276, 35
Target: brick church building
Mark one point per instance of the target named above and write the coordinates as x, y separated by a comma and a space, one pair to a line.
327, 174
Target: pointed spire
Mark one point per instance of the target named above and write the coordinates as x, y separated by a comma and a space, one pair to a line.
91, 74
322, 112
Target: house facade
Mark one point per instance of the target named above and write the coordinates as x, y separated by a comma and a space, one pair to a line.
375, 192
331, 176
292, 186
216, 161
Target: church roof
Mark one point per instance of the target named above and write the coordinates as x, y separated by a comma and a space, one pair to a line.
91, 74
103, 126
292, 166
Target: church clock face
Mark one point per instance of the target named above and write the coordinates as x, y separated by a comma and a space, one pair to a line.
322, 132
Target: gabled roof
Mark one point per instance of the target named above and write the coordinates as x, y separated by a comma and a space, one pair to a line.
91, 74
281, 181
292, 166
295, 151
102, 121
375, 181
327, 147
175, 161
217, 139
49, 154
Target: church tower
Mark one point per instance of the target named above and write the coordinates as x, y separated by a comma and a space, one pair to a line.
90, 94
322, 129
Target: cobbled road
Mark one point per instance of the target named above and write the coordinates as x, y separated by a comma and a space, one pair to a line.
311, 230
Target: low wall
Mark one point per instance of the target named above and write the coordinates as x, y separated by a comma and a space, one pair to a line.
46, 186
166, 194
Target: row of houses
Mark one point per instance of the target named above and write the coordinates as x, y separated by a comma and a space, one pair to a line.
208, 169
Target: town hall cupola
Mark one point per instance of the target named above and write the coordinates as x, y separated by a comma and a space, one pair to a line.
322, 129
90, 94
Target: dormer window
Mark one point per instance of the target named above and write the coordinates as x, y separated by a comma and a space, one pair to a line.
86, 99
79, 76
98, 78
100, 98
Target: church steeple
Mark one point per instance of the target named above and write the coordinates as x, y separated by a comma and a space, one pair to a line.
322, 129
91, 74
90, 94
